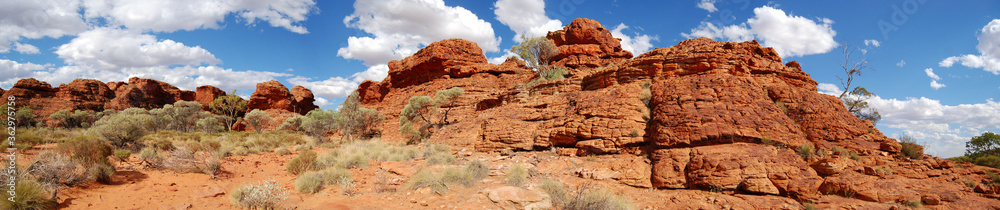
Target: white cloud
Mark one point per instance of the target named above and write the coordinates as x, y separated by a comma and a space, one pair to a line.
184, 77
789, 35
502, 58
37, 19
901, 63
936, 85
321, 102
334, 87
400, 27
525, 17
942, 126
637, 44
13, 70
708, 5
169, 16
930, 73
872, 42
989, 49
373, 73
114, 49
829, 89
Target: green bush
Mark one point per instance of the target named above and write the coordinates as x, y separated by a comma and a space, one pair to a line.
24, 116
356, 121
29, 195
151, 157
211, 124
282, 151
266, 194
78, 119
180, 116
357, 154
961, 159
988, 161
517, 176
418, 116
87, 150
293, 123
910, 148
230, 107
122, 154
123, 129
309, 182
257, 119
318, 122
304, 162
556, 73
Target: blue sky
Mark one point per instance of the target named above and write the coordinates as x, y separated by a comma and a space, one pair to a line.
936, 63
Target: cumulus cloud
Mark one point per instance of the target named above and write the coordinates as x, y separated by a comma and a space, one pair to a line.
944, 125
930, 73
13, 70
936, 85
334, 87
989, 51
708, 5
829, 89
113, 49
525, 18
37, 19
637, 44
790, 35
169, 16
184, 77
400, 27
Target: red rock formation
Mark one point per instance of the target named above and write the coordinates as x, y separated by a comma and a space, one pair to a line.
146, 93
584, 43
273, 95
205, 94
87, 94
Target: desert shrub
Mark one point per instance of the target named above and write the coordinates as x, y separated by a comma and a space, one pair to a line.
87, 150
257, 119
557, 192
556, 73
78, 119
122, 154
358, 154
427, 178
806, 151
422, 114
478, 169
263, 195
123, 130
29, 195
356, 121
293, 123
240, 151
309, 182
211, 124
440, 158
910, 148
988, 161
335, 176
29, 136
517, 176
24, 116
597, 199
282, 151
53, 169
318, 122
304, 162
230, 107
151, 157
536, 52
101, 173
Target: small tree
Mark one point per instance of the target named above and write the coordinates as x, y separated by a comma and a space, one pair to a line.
211, 124
25, 116
229, 106
853, 65
417, 120
983, 145
124, 129
180, 116
857, 103
256, 119
293, 123
536, 52
318, 122
77, 119
356, 120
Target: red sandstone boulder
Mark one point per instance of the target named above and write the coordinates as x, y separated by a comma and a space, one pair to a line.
585, 43
146, 93
434, 61
206, 94
273, 95
87, 94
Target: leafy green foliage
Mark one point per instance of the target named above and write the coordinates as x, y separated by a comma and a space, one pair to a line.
318, 122
422, 115
536, 52
857, 103
293, 123
77, 119
211, 124
124, 129
256, 119
230, 107
87, 150
986, 144
356, 121
24, 117
988, 161
910, 147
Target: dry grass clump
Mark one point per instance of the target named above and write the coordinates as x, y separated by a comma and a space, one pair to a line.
358, 154
586, 197
304, 162
312, 182
427, 178
30, 195
517, 176
266, 194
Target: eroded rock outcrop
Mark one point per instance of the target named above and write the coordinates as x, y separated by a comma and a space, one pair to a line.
708, 115
205, 94
273, 95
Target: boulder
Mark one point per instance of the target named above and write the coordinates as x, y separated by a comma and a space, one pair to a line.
205, 94
586, 43
273, 95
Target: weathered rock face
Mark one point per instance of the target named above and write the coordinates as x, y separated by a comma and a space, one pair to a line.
273, 95
708, 115
206, 94
147, 93
584, 43
88, 94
